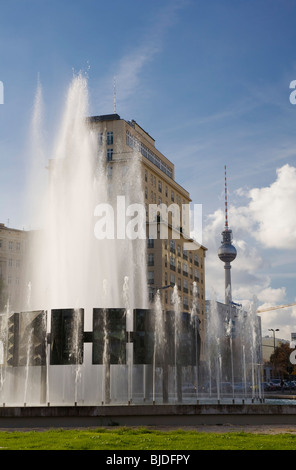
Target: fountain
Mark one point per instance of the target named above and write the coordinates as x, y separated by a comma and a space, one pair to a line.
84, 334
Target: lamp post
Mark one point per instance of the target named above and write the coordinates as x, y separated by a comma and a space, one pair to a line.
154, 289
273, 331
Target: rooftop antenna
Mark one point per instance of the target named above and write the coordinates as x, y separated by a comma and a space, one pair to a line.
114, 94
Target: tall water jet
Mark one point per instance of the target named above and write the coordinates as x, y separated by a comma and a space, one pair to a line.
69, 262
213, 347
177, 334
194, 321
160, 345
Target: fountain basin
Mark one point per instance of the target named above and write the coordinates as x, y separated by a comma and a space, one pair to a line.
143, 415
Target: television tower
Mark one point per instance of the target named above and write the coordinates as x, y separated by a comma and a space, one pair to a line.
227, 252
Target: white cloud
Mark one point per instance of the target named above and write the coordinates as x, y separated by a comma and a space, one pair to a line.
273, 210
271, 296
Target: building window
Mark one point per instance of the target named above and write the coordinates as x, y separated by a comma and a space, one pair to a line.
166, 191
185, 286
172, 263
151, 259
109, 138
10, 245
159, 186
150, 243
1, 243
146, 193
196, 275
173, 196
172, 279
146, 176
185, 269
150, 277
100, 138
179, 284
109, 155
151, 295
136, 144
173, 246
196, 259
109, 171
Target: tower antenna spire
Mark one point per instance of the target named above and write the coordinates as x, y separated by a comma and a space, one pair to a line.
226, 205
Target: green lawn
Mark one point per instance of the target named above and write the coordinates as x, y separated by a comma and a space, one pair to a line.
142, 439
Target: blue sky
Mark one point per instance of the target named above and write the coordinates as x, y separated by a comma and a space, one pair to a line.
209, 80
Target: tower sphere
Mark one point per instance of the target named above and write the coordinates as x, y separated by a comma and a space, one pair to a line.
227, 252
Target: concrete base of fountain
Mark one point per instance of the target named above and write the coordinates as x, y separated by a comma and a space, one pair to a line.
144, 415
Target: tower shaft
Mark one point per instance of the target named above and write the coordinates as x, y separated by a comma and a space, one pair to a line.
228, 295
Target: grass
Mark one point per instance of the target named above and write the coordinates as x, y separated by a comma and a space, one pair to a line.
124, 438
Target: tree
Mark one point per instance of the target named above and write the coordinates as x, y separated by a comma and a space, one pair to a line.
280, 360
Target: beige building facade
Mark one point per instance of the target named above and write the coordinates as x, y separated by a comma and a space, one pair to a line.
12, 258
168, 262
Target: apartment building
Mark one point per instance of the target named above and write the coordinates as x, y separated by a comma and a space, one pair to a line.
173, 259
12, 253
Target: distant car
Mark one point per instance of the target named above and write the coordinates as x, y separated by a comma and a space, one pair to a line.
240, 387
188, 388
290, 385
266, 386
273, 387
276, 382
225, 387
